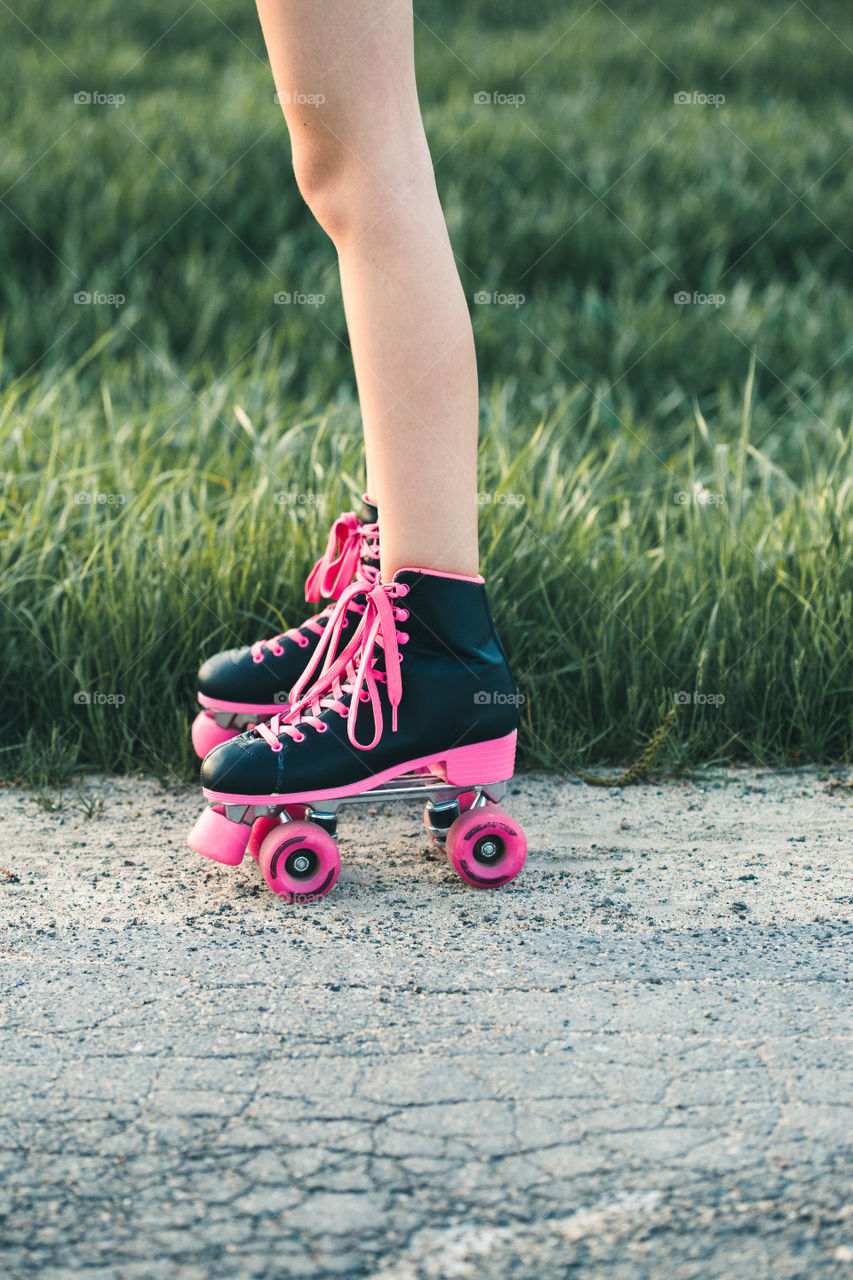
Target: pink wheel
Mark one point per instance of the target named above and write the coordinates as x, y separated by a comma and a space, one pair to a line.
219, 838
465, 802
485, 847
300, 861
207, 734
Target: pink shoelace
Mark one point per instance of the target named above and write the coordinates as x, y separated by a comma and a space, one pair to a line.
352, 671
349, 542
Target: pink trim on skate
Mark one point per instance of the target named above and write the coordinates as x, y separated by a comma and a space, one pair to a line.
481, 763
254, 708
440, 573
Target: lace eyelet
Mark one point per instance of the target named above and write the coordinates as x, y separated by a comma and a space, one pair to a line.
299, 736
322, 727
303, 643
364, 696
277, 651
402, 637
257, 657
279, 746
401, 614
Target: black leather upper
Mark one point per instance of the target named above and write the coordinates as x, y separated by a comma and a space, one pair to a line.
234, 676
457, 690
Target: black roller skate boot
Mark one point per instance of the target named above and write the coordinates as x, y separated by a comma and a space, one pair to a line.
239, 687
419, 699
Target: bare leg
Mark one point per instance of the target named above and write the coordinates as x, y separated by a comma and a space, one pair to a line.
362, 163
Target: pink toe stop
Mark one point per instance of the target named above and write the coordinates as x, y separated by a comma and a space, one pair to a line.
219, 838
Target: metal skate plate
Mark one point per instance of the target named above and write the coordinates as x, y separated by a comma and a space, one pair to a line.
234, 719
408, 786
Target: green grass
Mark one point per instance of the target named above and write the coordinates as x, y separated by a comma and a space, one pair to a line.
602, 400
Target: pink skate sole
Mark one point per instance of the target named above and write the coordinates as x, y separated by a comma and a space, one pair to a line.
481, 763
253, 708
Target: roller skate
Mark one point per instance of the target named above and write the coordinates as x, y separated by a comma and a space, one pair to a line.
418, 703
239, 687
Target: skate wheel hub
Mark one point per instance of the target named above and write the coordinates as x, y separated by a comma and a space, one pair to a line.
300, 864
485, 850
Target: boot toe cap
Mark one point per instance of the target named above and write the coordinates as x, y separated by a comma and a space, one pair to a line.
216, 676
242, 766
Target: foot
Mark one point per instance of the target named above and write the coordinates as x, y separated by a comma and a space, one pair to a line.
241, 686
423, 683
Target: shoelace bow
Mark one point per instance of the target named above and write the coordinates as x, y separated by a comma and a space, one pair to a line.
337, 566
351, 672
349, 541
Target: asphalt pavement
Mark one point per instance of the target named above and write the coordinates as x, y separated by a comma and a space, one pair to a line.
632, 1062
